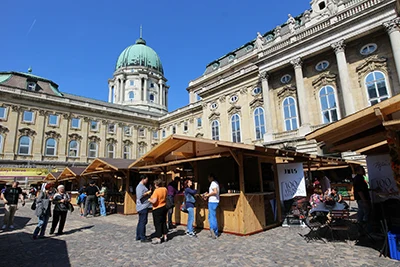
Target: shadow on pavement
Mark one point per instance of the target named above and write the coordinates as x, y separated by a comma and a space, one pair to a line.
78, 230
19, 249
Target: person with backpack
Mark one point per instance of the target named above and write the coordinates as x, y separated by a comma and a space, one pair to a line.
91, 198
43, 210
81, 201
190, 203
172, 191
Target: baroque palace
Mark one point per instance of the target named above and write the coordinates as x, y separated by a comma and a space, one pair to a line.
336, 58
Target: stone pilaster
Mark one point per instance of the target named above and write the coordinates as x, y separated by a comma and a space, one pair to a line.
393, 29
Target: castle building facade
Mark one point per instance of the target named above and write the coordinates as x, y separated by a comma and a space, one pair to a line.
334, 59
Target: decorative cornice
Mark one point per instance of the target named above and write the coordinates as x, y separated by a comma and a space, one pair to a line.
67, 116
127, 142
111, 141
3, 129
257, 102
324, 79
16, 108
75, 137
244, 90
392, 25
53, 134
142, 144
44, 112
277, 31
370, 64
264, 76
222, 98
296, 62
214, 116
287, 91
94, 138
199, 135
26, 132
234, 109
338, 46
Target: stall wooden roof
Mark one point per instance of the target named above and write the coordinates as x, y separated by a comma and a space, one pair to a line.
177, 149
70, 173
52, 177
101, 165
363, 131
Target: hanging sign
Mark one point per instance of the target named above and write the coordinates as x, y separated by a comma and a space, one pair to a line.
291, 181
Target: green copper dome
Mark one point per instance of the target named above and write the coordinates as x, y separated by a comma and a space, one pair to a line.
139, 54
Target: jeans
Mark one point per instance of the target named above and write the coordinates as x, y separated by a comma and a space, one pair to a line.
212, 216
141, 227
42, 224
189, 227
58, 216
363, 211
90, 200
9, 212
170, 212
160, 221
102, 206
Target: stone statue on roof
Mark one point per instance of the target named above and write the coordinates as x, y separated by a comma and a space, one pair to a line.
260, 40
291, 22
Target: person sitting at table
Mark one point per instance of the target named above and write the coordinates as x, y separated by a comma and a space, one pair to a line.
316, 198
336, 197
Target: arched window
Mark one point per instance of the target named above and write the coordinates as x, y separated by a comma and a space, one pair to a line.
50, 147
215, 130
377, 88
131, 95
259, 123
151, 97
73, 149
328, 104
110, 151
127, 152
24, 147
93, 147
1, 143
235, 123
290, 113
141, 151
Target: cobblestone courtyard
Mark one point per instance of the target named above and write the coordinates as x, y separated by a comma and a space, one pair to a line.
110, 241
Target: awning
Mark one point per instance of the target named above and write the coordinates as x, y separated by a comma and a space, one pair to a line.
51, 177
102, 165
70, 173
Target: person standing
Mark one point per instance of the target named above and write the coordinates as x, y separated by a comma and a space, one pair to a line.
213, 202
325, 183
91, 192
172, 191
361, 195
43, 210
142, 206
102, 194
10, 197
159, 201
61, 202
190, 203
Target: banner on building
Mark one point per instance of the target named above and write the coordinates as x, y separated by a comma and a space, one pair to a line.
291, 181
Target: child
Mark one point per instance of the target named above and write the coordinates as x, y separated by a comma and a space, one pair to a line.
316, 198
81, 202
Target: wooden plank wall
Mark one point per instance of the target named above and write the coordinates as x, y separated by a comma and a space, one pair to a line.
129, 203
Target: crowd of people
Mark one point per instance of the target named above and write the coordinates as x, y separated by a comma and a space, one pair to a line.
161, 201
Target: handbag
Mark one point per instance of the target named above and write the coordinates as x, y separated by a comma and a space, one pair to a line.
183, 207
170, 203
33, 206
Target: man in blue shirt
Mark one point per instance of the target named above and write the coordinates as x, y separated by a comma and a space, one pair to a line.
142, 205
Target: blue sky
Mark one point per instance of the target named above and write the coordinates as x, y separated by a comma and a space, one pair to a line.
76, 43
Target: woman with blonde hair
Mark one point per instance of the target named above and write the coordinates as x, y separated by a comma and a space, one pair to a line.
189, 202
159, 201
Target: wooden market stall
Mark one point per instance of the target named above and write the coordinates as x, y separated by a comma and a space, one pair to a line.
72, 179
51, 177
119, 179
247, 174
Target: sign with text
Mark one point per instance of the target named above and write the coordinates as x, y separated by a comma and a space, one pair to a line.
291, 180
381, 179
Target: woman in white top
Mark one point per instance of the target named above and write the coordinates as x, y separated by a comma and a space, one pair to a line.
213, 201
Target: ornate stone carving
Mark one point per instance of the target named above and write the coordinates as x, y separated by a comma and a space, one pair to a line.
291, 22
370, 64
222, 98
287, 91
234, 109
199, 135
263, 75
75, 137
127, 142
204, 104
257, 102
67, 116
392, 25
191, 120
53, 134
87, 119
44, 113
306, 15
15, 108
214, 116
260, 41
338, 46
111, 141
324, 79
243, 90
3, 129
142, 144
296, 62
27, 132
120, 124
94, 138
277, 31
105, 122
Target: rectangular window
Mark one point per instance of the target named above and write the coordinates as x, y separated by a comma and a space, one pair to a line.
3, 112
142, 132
111, 128
28, 116
53, 120
185, 127
155, 135
132, 82
198, 98
163, 133
199, 122
75, 123
173, 130
94, 126
127, 131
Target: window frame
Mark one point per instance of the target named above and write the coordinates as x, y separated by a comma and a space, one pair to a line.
126, 152
97, 126
31, 86
213, 105
32, 119
257, 91
215, 129
329, 108
131, 93
56, 116
29, 146
290, 118
131, 82
1, 143
287, 80
4, 117
234, 132
142, 132
379, 99
154, 98
199, 125
96, 150
112, 130
110, 151
375, 47
321, 64
125, 130
163, 133
155, 135
262, 123
72, 123
73, 149
47, 147
185, 126
174, 129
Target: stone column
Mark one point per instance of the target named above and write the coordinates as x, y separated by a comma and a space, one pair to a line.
267, 106
145, 90
393, 29
344, 77
301, 92
117, 93
160, 85
122, 91
109, 94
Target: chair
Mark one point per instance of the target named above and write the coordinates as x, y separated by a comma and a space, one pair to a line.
339, 222
314, 223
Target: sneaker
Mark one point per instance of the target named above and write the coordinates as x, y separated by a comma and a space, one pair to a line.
156, 241
213, 236
145, 240
192, 234
4, 227
11, 226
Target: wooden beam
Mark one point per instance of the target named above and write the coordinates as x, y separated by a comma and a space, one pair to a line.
391, 123
360, 142
383, 143
176, 162
241, 172
260, 175
182, 154
235, 157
